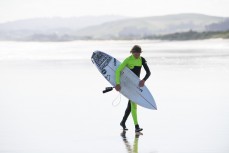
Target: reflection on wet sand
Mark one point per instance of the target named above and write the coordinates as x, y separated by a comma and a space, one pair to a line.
129, 148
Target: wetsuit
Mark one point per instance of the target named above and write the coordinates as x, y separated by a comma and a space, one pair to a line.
135, 66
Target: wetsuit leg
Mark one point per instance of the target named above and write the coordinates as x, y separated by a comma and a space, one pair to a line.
134, 112
127, 112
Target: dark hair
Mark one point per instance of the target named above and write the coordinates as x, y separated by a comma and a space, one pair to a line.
136, 48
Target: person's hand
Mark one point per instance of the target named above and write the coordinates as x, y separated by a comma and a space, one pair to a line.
117, 87
141, 83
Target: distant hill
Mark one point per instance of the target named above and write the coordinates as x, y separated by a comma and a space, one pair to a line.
105, 27
46, 24
25, 29
221, 26
141, 27
192, 35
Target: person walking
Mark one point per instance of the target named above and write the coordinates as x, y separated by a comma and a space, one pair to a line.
134, 62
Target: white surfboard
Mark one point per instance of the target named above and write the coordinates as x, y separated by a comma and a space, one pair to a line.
107, 65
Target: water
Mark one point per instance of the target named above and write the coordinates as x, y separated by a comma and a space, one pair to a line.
51, 98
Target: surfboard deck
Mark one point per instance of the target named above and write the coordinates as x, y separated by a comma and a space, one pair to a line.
107, 65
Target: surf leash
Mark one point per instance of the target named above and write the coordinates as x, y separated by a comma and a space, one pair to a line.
113, 102
108, 89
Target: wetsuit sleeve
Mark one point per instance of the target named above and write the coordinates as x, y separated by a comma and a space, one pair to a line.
119, 69
148, 73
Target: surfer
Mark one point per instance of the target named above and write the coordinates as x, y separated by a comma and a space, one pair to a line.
134, 63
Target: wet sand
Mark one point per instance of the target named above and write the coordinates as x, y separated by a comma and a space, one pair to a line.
57, 105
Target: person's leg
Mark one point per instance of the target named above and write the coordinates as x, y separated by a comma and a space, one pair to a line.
127, 113
135, 117
134, 112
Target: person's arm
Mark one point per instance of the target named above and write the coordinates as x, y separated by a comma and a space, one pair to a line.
118, 74
148, 73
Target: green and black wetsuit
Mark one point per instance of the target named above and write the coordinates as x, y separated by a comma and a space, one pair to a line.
135, 66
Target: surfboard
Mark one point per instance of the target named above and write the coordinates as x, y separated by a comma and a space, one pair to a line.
107, 65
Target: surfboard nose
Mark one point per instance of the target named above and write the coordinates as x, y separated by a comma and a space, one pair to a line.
153, 107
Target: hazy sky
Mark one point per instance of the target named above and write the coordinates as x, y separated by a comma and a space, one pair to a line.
21, 9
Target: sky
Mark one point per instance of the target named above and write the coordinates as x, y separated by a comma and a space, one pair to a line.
11, 10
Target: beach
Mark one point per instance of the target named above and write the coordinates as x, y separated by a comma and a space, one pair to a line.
51, 98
